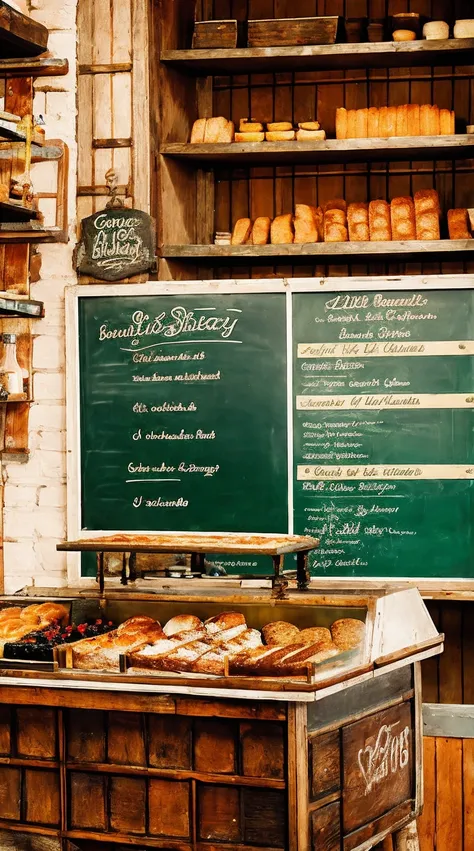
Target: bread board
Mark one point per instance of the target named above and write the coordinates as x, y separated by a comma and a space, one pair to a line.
289, 32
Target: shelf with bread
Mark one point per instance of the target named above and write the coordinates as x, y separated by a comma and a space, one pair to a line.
211, 62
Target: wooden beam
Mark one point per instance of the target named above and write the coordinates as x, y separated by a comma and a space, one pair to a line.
448, 720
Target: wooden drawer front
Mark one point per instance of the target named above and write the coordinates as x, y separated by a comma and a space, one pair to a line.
263, 750
36, 732
29, 795
10, 793
253, 817
326, 828
215, 745
324, 764
85, 735
169, 742
170, 808
378, 757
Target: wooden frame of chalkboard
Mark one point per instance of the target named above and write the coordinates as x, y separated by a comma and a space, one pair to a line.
378, 423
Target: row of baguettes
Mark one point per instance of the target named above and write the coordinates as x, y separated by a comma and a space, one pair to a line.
404, 219
387, 121
17, 622
186, 644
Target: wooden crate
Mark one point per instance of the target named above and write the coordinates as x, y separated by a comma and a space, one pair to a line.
288, 32
215, 34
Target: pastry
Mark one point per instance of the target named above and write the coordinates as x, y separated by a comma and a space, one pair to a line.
358, 222
281, 231
402, 217
241, 232
305, 225
373, 125
458, 224
309, 125
261, 230
279, 126
246, 125
310, 135
413, 119
362, 123
280, 136
341, 123
402, 120
348, 633
197, 133
244, 138
280, 633
379, 221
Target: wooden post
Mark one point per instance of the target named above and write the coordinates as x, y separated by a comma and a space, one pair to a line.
407, 839
302, 571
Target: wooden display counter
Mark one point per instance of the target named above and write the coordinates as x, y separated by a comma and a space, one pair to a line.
184, 762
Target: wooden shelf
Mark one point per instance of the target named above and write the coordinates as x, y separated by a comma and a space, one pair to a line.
24, 307
330, 151
38, 154
343, 251
18, 210
29, 232
19, 34
41, 67
8, 132
330, 56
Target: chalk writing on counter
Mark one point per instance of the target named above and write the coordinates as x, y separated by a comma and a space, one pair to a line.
389, 755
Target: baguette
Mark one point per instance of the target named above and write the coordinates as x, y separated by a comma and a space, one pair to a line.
197, 133
380, 229
402, 120
402, 217
280, 136
279, 126
305, 225
244, 138
373, 123
358, 222
241, 232
309, 125
310, 135
281, 231
362, 123
341, 123
261, 230
458, 224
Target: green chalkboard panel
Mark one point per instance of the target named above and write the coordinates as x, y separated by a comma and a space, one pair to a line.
383, 431
183, 412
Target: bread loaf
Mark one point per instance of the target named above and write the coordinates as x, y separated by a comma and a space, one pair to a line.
305, 224
427, 209
181, 623
246, 125
413, 119
335, 204
280, 633
404, 35
445, 122
335, 229
351, 124
197, 133
348, 633
373, 123
358, 222
215, 127
362, 123
379, 221
281, 136
388, 121
281, 231
319, 221
241, 232
279, 126
310, 135
245, 138
261, 230
341, 123
402, 120
309, 125
458, 224
103, 652
429, 120
402, 217
315, 634
224, 620
226, 135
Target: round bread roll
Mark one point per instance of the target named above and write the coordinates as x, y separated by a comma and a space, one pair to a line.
348, 633
315, 634
281, 633
464, 28
404, 35
436, 31
282, 126
226, 620
181, 623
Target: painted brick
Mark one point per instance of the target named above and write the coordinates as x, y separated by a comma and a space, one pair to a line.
48, 352
48, 386
52, 495
47, 417
18, 496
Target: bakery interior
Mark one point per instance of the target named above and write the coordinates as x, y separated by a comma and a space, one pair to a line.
151, 700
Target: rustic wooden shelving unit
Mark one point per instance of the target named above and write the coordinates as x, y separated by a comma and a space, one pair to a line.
207, 187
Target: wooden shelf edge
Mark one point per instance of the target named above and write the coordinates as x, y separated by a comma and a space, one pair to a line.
332, 150
8, 237
345, 250
46, 66
378, 54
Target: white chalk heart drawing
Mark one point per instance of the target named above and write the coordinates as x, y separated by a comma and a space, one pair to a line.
387, 756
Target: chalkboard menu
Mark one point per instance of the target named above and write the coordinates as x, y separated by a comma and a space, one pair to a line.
295, 406
384, 463
183, 413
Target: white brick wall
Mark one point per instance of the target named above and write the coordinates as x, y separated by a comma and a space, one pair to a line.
35, 492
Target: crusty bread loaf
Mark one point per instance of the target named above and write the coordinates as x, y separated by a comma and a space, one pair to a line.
226, 135
279, 126
309, 125
335, 204
198, 130
358, 222
402, 217
246, 125
362, 117
348, 633
315, 634
388, 121
334, 231
341, 123
281, 231
425, 120
305, 225
224, 620
310, 135
373, 123
413, 119
244, 138
214, 128
427, 201
319, 221
427, 210
241, 232
458, 224
261, 230
445, 122
280, 633
351, 123
433, 121
103, 652
402, 120
181, 623
379, 221
293, 668
280, 136
335, 217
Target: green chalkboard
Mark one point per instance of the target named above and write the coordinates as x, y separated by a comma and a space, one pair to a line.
183, 412
383, 431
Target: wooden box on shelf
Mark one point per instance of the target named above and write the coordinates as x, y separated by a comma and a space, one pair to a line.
215, 34
292, 31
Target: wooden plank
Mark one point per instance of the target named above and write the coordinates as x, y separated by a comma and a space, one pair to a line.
169, 742
127, 804
340, 250
262, 750
41, 67
449, 801
20, 34
87, 802
450, 721
326, 828
41, 796
427, 820
450, 663
36, 732
325, 764
468, 794
204, 543
215, 745
10, 793
336, 56
169, 810
126, 738
219, 813
85, 735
